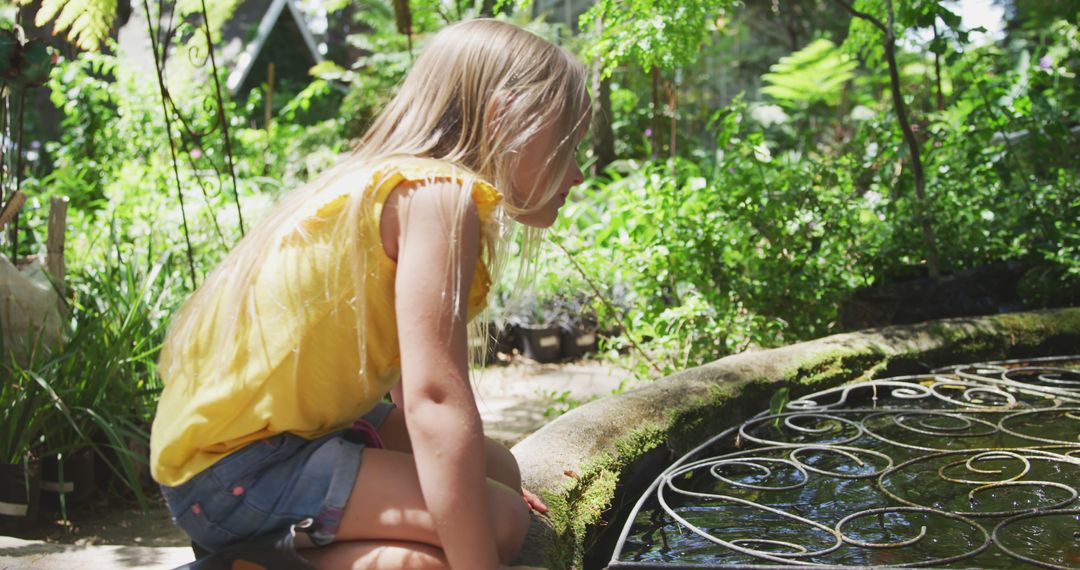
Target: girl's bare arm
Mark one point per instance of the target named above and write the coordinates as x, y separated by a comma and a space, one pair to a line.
434, 274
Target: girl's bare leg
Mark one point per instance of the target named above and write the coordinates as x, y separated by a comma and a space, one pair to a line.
386, 524
362, 555
501, 465
387, 507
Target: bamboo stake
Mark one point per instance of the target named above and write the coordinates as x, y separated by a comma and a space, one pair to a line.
54, 244
14, 204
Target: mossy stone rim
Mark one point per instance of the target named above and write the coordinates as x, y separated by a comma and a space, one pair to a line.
602, 454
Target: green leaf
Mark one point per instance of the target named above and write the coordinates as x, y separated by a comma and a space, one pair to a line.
9, 47
36, 64
951, 19
217, 12
654, 33
816, 73
329, 70
776, 404
87, 22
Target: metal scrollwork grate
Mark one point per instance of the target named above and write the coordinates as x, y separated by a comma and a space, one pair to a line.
969, 466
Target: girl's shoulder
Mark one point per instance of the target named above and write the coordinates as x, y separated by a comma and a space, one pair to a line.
394, 170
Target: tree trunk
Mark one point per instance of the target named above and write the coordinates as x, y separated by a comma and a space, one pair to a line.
603, 137
921, 206
655, 113
403, 20
922, 209
937, 73
672, 101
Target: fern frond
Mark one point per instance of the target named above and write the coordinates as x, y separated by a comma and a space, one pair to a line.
816, 73
87, 22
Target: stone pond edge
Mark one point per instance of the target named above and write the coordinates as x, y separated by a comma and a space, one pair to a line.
605, 452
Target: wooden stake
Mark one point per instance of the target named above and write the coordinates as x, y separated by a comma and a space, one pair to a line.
14, 204
54, 244
269, 107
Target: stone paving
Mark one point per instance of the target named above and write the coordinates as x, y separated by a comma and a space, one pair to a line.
512, 401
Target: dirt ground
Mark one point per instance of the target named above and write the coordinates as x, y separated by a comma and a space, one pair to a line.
107, 522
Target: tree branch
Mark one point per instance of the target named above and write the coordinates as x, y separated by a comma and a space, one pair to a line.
876, 22
604, 300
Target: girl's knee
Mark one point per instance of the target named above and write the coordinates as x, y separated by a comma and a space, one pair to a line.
502, 465
511, 519
396, 555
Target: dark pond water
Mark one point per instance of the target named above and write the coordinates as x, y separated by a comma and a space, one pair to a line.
974, 466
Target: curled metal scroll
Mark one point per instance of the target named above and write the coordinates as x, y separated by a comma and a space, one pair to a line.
969, 466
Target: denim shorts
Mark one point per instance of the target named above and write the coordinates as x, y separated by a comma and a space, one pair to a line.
269, 485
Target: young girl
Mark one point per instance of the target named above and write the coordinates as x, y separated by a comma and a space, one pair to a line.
359, 284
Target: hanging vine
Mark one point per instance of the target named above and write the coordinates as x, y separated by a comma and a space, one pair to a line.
188, 142
24, 65
88, 23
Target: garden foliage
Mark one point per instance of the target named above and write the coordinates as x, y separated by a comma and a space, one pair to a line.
771, 210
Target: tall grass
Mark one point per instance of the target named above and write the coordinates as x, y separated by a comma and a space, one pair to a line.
99, 388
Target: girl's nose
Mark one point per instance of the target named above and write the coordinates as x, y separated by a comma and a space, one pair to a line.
576, 175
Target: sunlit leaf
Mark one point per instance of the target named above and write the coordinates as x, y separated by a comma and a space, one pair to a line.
87, 22
816, 73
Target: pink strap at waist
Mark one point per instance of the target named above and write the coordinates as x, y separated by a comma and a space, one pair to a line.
367, 433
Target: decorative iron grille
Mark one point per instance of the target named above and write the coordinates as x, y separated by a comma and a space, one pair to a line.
970, 466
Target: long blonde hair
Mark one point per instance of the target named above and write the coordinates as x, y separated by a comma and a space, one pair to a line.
477, 94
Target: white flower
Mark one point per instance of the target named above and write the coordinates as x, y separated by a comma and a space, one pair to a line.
761, 152
874, 198
862, 113
987, 215
768, 115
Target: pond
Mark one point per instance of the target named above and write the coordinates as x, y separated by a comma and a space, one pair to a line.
969, 466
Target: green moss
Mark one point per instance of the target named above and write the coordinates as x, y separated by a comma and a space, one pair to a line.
588, 494
723, 406
836, 366
1000, 336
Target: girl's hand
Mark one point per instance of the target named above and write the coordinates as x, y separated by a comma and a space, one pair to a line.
535, 503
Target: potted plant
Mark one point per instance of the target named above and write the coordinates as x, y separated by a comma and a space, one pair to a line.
532, 319
93, 429
577, 327
486, 342
105, 377
30, 323
541, 343
23, 396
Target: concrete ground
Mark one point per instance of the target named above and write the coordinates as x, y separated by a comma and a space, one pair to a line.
514, 401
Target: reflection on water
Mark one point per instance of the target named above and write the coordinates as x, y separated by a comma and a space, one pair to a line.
973, 466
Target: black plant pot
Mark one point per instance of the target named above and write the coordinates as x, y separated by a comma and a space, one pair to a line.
577, 342
540, 343
77, 484
19, 496
495, 339
505, 340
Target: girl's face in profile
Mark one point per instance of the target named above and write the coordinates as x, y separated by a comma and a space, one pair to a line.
532, 177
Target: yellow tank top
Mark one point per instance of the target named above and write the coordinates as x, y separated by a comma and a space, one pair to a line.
299, 372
